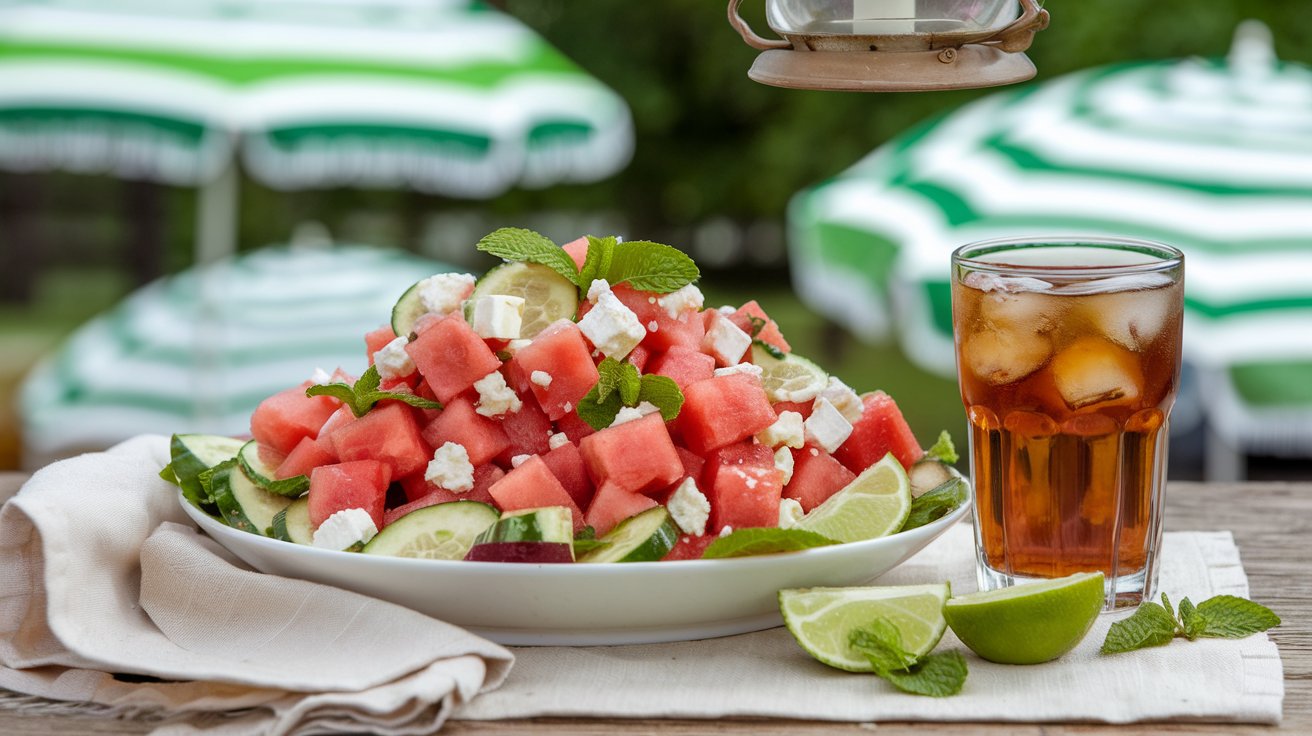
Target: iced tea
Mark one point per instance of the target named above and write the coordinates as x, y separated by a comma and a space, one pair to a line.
1069, 356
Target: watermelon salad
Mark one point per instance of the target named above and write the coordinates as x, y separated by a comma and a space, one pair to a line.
577, 403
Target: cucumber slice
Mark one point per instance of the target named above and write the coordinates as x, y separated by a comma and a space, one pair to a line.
547, 524
292, 524
259, 463
192, 454
547, 295
926, 475
444, 531
243, 504
791, 378
645, 537
407, 311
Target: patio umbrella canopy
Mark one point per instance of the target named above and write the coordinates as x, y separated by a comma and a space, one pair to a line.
1212, 156
196, 352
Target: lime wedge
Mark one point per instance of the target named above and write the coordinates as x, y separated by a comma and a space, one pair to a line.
547, 295
1027, 624
822, 619
875, 504
791, 378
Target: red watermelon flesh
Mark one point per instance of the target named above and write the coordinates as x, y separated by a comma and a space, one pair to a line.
639, 357
561, 352
684, 365
693, 464
578, 251
516, 377
451, 357
361, 484
769, 332
686, 330
801, 407
566, 463
722, 410
388, 434
482, 438
689, 547
880, 430
377, 340
417, 487
816, 477
284, 419
636, 456
573, 427
306, 456
532, 486
743, 486
613, 504
528, 431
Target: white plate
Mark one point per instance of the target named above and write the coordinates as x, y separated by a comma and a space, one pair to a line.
628, 603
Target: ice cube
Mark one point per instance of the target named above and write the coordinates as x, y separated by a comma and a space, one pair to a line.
1131, 318
1024, 311
1093, 371
1003, 356
989, 282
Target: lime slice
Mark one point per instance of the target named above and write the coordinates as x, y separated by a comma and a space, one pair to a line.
791, 378
822, 619
1027, 624
547, 295
875, 504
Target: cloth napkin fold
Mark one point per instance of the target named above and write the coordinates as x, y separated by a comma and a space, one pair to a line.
766, 674
109, 595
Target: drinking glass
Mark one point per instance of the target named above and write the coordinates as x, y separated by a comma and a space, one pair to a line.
1068, 353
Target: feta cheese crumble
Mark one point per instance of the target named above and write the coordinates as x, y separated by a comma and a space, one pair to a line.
597, 288
442, 293
344, 529
321, 377
559, 439
726, 531
783, 462
393, 361
519, 460
844, 399
497, 317
790, 512
514, 346
689, 508
450, 468
787, 430
750, 369
495, 397
826, 427
726, 341
610, 326
629, 413
541, 378
676, 302
653, 326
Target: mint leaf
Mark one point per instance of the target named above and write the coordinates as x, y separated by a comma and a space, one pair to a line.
771, 350
601, 251
764, 541
368, 381
365, 394
409, 399
881, 643
598, 412
663, 393
1166, 603
630, 384
943, 450
935, 675
339, 391
1191, 620
206, 478
649, 266
1150, 626
757, 324
935, 504
518, 244
166, 473
292, 487
1232, 617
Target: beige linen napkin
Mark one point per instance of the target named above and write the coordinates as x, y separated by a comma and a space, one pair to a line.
767, 675
101, 573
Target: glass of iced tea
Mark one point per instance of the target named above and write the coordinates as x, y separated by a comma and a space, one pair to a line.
1068, 353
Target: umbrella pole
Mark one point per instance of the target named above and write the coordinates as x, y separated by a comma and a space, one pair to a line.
216, 240
216, 217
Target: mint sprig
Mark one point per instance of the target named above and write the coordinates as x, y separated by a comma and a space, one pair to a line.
935, 504
764, 541
601, 252
943, 450
641, 264
1221, 617
933, 675
618, 385
365, 394
518, 244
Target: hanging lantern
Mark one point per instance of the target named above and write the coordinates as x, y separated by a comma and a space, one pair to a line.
893, 45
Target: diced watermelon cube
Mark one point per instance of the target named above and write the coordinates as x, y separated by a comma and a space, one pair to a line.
613, 504
686, 329
361, 484
769, 331
566, 463
684, 365
527, 430
377, 340
573, 427
532, 486
577, 250
306, 456
689, 547
417, 487
693, 464
562, 353
801, 407
516, 377
451, 357
388, 434
722, 410
880, 430
636, 456
639, 357
816, 477
482, 438
284, 419
743, 486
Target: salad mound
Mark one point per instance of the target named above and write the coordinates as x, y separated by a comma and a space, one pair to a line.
578, 403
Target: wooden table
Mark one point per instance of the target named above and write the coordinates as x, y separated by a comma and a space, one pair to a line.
1272, 523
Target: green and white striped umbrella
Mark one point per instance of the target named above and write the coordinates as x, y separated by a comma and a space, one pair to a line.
198, 351
1212, 156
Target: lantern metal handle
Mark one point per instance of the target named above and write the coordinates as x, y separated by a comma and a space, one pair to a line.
744, 30
1018, 36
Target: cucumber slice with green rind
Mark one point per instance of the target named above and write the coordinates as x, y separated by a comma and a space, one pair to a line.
407, 311
546, 524
547, 295
644, 537
256, 463
444, 531
243, 504
292, 524
192, 454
